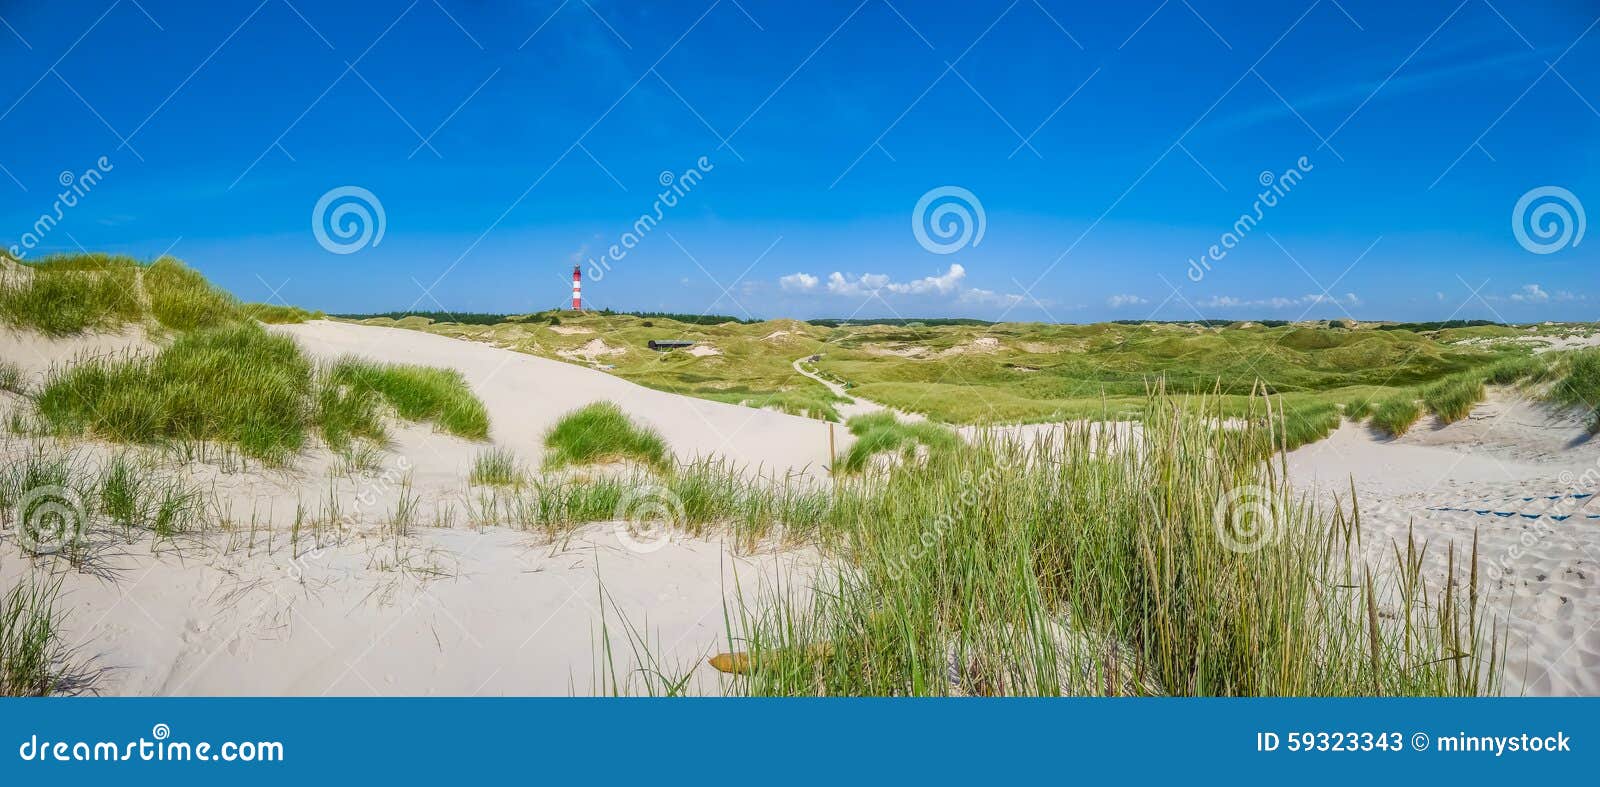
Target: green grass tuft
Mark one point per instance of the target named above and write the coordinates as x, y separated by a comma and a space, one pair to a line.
883, 433
1396, 414
417, 393
181, 299
12, 378
1452, 398
276, 314
64, 295
1579, 385
237, 384
1358, 409
601, 432
496, 467
240, 384
33, 650
1513, 370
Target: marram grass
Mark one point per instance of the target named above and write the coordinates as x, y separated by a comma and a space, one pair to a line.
599, 433
241, 385
1180, 565
1396, 414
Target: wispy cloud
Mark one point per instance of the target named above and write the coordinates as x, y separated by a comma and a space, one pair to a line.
1119, 301
1410, 79
1534, 293
1230, 302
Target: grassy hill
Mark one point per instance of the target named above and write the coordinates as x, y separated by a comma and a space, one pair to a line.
1009, 372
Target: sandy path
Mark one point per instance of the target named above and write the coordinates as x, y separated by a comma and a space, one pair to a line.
1513, 473
526, 395
856, 405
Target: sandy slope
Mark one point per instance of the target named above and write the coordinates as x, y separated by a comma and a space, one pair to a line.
469, 607
34, 353
1509, 472
526, 395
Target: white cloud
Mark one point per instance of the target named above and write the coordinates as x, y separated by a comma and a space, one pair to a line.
798, 282
951, 282
1119, 301
943, 284
1531, 293
990, 297
871, 283
1280, 302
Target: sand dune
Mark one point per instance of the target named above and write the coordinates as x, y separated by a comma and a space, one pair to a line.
1514, 473
526, 395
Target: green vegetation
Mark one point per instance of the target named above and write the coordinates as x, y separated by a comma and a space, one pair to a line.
417, 393
239, 384
33, 652
1515, 369
463, 318
883, 433
64, 295
1418, 327
1187, 568
1396, 414
11, 378
182, 300
1578, 385
496, 467
275, 314
1452, 398
1358, 409
913, 322
601, 432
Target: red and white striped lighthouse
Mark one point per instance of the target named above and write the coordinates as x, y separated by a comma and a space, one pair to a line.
577, 289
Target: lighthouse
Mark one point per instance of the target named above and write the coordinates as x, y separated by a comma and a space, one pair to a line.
577, 289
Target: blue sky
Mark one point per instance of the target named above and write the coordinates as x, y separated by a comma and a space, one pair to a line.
1106, 145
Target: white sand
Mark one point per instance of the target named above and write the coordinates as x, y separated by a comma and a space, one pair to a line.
1543, 575
464, 608
447, 612
35, 353
526, 395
